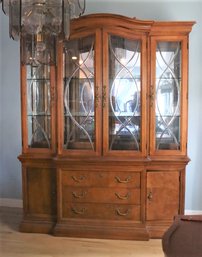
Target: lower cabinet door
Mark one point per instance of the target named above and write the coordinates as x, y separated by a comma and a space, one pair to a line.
163, 194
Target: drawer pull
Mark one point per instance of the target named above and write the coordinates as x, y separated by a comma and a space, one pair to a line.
121, 213
75, 195
81, 212
150, 196
122, 197
127, 180
78, 180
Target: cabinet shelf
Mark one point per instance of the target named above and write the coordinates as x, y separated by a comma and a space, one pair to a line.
171, 79
38, 115
45, 81
124, 114
168, 116
79, 114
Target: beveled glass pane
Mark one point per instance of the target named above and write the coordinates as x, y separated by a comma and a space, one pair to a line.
53, 17
39, 131
79, 117
38, 106
66, 19
5, 6
124, 94
41, 16
15, 19
38, 50
168, 90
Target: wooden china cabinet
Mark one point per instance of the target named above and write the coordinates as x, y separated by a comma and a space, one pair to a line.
105, 130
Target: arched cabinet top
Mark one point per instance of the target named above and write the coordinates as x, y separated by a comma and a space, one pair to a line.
106, 20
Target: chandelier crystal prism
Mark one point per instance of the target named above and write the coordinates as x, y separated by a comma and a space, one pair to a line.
38, 23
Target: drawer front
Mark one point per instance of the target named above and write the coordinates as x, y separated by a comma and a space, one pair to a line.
101, 195
101, 179
101, 211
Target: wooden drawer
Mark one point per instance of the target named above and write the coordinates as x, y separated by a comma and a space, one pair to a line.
101, 195
101, 211
101, 179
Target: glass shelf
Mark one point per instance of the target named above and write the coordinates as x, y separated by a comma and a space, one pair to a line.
124, 114
41, 79
80, 114
39, 115
168, 116
171, 80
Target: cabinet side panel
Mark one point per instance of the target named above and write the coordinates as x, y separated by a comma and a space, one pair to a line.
41, 191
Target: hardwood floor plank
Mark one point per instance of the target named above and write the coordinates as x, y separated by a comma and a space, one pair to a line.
16, 244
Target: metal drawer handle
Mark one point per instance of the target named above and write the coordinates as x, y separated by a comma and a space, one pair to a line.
150, 196
104, 96
97, 96
127, 180
81, 212
121, 213
78, 180
151, 96
122, 197
75, 195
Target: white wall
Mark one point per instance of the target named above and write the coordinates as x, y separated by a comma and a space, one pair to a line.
145, 9
0, 106
10, 173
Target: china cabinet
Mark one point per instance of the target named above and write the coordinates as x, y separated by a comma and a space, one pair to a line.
105, 130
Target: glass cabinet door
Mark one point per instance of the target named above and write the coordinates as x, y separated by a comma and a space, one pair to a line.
38, 87
38, 106
167, 95
124, 97
81, 96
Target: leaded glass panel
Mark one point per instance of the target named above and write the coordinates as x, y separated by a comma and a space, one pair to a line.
124, 94
79, 116
168, 95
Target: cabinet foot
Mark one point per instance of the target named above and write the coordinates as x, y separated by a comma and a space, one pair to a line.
37, 226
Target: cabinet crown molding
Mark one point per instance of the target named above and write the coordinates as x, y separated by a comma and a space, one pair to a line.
152, 27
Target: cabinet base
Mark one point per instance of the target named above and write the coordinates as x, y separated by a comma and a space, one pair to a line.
101, 231
156, 231
37, 226
151, 231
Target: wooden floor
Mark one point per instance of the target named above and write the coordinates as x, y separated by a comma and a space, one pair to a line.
16, 244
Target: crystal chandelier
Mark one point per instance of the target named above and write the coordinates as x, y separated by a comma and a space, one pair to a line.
38, 23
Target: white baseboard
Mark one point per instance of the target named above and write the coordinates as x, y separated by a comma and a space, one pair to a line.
7, 202
193, 212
